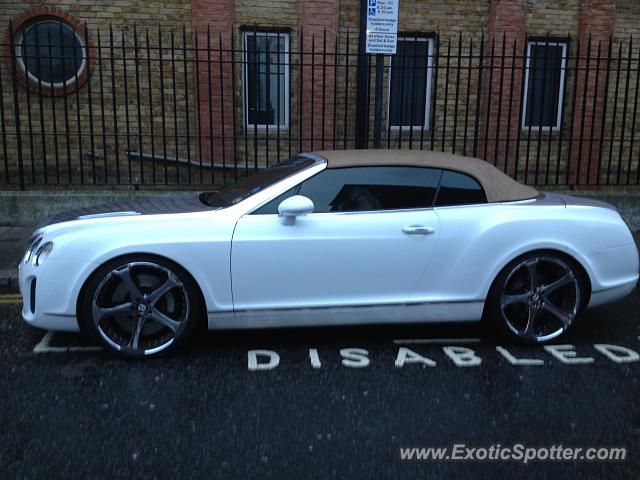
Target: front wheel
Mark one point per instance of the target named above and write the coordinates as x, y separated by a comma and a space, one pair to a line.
141, 306
537, 297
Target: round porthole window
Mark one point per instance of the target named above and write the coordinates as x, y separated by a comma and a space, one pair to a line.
51, 53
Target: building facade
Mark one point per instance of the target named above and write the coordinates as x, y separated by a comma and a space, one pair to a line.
192, 91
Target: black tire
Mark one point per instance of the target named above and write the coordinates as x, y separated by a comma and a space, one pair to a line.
156, 315
553, 300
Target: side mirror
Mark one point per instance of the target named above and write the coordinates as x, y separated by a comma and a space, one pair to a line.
291, 207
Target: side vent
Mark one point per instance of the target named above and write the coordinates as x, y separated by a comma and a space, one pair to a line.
32, 296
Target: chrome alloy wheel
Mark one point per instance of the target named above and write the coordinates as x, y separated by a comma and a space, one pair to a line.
540, 298
140, 308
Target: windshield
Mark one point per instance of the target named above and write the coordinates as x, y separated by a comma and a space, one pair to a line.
244, 188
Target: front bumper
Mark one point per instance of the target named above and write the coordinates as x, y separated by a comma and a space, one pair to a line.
50, 292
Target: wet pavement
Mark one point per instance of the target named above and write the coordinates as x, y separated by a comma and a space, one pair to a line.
12, 244
330, 402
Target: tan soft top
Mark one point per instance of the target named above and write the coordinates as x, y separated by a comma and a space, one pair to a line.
497, 186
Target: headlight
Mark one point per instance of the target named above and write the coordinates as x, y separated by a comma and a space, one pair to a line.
31, 246
42, 253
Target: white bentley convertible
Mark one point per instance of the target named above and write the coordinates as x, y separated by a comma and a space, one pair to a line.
326, 238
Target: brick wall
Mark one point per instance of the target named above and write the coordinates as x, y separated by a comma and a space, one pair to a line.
214, 22
201, 100
583, 22
426, 17
267, 146
46, 130
448, 19
596, 26
627, 21
319, 24
98, 13
506, 39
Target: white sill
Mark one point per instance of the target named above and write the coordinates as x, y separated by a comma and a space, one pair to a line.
264, 128
407, 128
537, 128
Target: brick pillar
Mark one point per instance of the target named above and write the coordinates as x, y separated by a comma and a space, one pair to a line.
597, 18
318, 17
216, 108
506, 27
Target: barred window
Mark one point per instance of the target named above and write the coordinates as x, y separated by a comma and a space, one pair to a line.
410, 85
266, 79
50, 52
544, 85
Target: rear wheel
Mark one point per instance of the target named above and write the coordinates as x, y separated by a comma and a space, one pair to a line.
141, 306
537, 297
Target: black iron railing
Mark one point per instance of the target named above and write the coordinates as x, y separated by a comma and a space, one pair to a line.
147, 107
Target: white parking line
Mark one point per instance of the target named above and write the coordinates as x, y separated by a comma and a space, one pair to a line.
44, 346
427, 341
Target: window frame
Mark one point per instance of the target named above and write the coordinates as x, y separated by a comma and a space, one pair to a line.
245, 84
561, 91
428, 85
444, 171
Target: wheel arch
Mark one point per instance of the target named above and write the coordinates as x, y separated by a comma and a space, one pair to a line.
131, 256
582, 271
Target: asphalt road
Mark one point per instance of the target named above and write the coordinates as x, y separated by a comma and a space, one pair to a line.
205, 413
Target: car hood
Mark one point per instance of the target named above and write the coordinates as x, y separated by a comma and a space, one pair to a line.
157, 205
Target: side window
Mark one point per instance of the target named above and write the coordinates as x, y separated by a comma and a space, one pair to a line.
358, 189
271, 207
459, 189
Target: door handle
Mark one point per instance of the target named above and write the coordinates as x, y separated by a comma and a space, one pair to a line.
417, 230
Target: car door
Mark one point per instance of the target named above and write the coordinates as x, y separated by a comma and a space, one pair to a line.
368, 242
460, 257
